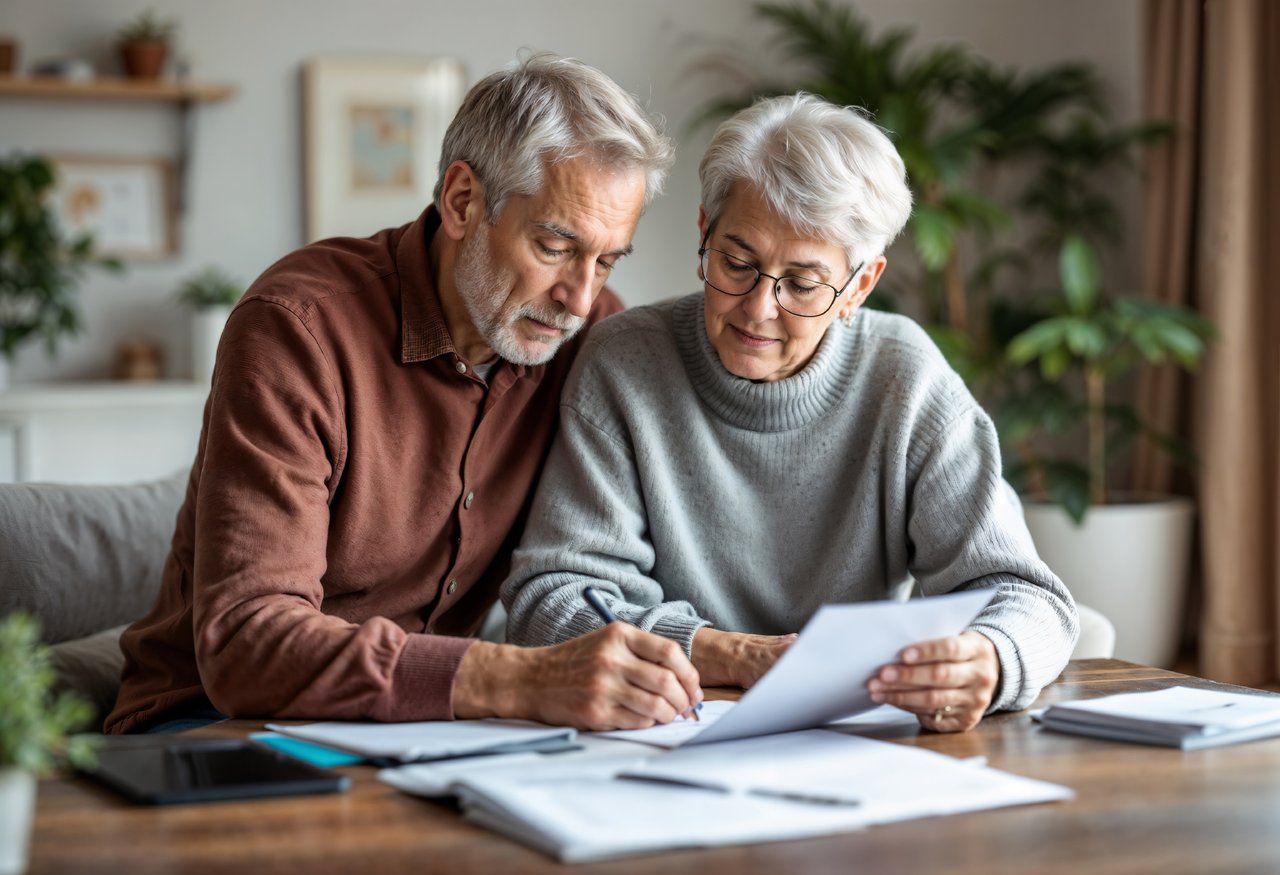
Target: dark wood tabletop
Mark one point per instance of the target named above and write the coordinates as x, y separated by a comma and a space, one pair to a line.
1137, 809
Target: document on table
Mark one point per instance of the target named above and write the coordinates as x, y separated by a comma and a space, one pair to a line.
679, 732
432, 740
823, 675
753, 790
1183, 717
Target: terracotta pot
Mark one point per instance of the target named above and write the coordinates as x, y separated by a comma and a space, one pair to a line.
144, 59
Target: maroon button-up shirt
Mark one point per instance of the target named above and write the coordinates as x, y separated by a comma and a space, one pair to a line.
326, 560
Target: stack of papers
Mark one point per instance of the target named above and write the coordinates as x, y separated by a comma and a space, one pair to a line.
754, 771
790, 786
1177, 717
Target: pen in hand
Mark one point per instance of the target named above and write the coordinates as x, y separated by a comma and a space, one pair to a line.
602, 611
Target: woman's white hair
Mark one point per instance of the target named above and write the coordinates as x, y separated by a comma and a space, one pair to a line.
826, 170
544, 110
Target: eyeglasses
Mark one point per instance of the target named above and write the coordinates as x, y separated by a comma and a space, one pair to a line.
798, 295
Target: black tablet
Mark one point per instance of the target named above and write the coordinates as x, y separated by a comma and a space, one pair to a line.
163, 770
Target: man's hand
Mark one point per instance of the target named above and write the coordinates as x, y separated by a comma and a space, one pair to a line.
736, 659
617, 677
948, 682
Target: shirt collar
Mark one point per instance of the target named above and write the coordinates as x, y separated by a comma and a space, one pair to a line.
423, 329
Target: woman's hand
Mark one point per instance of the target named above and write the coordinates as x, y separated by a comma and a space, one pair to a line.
947, 682
735, 659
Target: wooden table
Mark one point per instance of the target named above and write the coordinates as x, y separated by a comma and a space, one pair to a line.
1138, 810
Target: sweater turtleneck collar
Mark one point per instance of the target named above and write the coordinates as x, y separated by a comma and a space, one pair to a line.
782, 405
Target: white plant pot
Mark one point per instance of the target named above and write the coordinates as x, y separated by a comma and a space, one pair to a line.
17, 806
206, 330
1130, 562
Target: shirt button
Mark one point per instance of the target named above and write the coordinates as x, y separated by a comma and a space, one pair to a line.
452, 587
462, 367
466, 502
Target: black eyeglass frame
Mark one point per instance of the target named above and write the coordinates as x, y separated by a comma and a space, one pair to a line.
702, 260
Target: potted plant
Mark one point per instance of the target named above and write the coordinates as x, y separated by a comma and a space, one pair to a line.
1126, 555
210, 294
34, 726
1042, 364
144, 44
40, 265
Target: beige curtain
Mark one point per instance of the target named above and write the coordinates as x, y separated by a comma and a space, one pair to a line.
1212, 241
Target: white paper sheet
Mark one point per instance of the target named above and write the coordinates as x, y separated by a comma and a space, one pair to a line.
675, 733
823, 676
584, 811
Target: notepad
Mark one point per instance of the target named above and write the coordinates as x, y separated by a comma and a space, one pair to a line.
432, 740
1183, 717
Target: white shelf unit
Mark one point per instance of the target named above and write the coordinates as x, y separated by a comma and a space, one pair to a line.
104, 432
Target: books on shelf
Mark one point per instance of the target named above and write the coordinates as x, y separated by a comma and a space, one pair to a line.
1181, 717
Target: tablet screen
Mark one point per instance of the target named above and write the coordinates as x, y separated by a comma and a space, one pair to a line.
165, 770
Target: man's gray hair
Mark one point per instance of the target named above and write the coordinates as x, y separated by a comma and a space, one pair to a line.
826, 170
544, 110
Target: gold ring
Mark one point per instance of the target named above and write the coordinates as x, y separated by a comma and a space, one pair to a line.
941, 712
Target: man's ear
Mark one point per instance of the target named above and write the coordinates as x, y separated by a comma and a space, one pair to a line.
461, 200
862, 286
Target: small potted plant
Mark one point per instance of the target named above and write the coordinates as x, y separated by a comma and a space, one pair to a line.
144, 44
34, 727
40, 264
210, 294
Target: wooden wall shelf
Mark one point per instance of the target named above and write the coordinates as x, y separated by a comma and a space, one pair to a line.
114, 88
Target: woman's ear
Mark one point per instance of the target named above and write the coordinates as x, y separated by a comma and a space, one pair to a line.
862, 286
461, 200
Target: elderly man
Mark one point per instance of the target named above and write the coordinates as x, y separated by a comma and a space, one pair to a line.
379, 413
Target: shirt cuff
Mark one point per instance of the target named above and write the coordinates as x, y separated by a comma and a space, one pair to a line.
680, 628
422, 682
1009, 688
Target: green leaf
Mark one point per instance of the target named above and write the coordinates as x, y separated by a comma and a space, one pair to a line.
933, 236
1039, 340
1079, 271
1085, 339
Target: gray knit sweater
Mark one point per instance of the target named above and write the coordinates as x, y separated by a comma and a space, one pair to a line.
691, 497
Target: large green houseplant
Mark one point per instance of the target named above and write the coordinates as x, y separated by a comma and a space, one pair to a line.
34, 727
1009, 286
40, 264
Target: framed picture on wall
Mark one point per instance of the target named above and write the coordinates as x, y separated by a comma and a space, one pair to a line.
373, 128
127, 204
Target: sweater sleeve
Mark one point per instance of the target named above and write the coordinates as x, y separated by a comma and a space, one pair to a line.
967, 532
589, 527
274, 447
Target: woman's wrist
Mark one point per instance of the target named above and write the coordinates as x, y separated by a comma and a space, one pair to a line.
714, 654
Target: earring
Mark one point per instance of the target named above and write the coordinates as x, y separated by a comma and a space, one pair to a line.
847, 319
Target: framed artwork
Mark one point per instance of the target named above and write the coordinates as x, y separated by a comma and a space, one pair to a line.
127, 204
373, 128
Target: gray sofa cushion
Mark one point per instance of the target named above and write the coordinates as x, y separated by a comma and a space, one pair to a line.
84, 558
91, 667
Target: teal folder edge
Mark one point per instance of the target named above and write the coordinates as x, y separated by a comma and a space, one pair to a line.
315, 754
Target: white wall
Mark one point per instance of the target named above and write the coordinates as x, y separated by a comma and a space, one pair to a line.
245, 189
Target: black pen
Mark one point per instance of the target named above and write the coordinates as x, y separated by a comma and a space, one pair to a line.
602, 611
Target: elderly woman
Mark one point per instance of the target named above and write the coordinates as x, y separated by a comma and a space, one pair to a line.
729, 462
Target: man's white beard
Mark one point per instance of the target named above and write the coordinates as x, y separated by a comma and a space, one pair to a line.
483, 289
